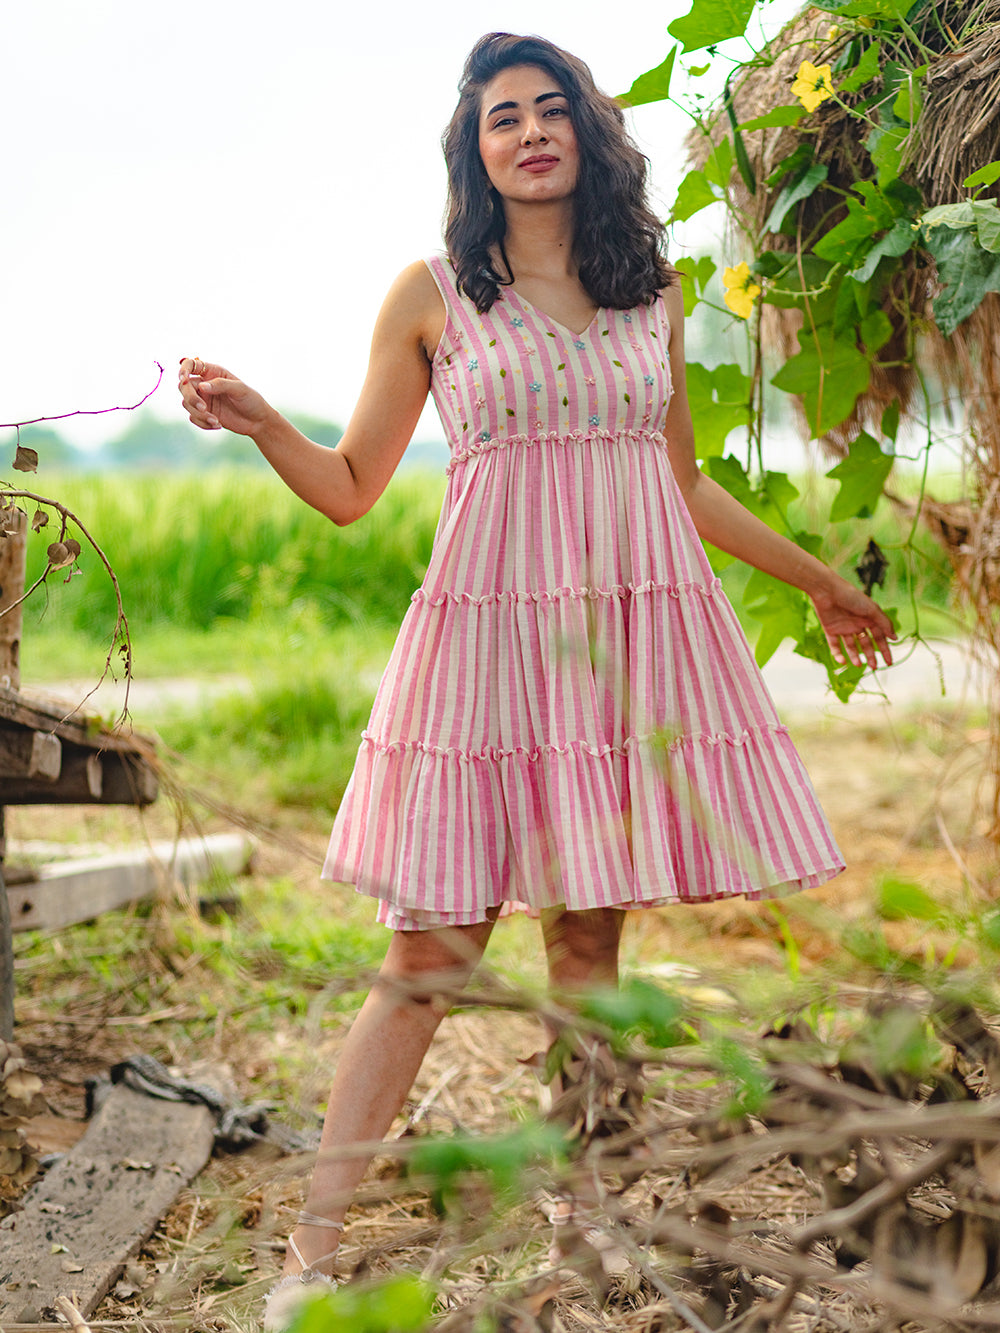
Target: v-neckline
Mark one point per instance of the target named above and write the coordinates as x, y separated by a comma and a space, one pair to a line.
577, 337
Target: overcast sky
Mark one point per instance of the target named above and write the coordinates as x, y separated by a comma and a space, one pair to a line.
241, 181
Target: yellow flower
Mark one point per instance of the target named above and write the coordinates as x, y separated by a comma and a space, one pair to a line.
833, 32
740, 290
813, 84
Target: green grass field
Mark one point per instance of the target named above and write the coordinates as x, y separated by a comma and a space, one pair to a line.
228, 573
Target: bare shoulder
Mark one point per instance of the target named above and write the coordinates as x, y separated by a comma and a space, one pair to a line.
673, 307
673, 300
414, 308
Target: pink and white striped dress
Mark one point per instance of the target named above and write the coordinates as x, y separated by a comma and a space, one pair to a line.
571, 713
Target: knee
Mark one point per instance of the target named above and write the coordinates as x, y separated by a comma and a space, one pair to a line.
426, 966
588, 938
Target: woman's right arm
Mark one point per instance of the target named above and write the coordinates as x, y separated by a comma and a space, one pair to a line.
342, 483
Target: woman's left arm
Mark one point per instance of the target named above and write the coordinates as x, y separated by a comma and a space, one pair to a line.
855, 627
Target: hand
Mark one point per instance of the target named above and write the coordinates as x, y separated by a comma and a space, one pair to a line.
854, 626
216, 400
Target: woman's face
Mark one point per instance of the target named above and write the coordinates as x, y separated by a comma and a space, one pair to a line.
526, 136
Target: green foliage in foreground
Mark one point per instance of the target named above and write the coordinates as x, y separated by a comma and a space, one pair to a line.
397, 1305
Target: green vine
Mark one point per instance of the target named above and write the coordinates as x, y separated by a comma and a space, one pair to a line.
837, 256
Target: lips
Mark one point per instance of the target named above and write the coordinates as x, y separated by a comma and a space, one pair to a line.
542, 162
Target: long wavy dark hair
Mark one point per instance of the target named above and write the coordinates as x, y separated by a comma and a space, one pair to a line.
618, 241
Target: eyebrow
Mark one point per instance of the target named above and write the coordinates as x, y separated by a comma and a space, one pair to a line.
510, 106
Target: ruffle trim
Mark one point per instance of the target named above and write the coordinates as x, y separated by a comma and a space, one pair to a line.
491, 754
553, 437
619, 590
398, 917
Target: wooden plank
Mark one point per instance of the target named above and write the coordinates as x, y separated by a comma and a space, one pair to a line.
87, 777
19, 709
30, 754
66, 892
94, 1208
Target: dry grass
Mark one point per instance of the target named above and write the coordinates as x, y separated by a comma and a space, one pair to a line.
709, 1218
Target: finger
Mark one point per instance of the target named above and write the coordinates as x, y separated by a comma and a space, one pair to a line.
191, 365
204, 422
194, 404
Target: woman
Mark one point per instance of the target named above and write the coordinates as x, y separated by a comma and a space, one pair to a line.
571, 720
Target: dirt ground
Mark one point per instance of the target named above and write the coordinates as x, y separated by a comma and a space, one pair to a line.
905, 794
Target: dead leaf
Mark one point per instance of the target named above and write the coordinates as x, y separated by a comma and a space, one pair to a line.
987, 1160
71, 1266
963, 1261
21, 1085
25, 459
39, 520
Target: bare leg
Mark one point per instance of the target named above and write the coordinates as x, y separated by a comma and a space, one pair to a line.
582, 947
582, 952
378, 1064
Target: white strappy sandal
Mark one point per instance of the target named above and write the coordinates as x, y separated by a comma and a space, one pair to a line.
288, 1295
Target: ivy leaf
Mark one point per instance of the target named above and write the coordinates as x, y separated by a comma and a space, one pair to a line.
719, 166
697, 272
886, 144
693, 194
867, 68
987, 216
653, 86
956, 216
894, 243
791, 165
966, 272
729, 473
848, 241
781, 610
843, 680
801, 187
890, 420
827, 377
862, 474
779, 118
779, 489
984, 176
711, 21
876, 330
720, 402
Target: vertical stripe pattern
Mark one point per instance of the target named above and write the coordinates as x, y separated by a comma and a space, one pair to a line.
571, 713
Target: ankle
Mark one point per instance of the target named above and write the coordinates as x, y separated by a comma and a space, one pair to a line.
312, 1245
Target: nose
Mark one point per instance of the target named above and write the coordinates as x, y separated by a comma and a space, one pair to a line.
534, 132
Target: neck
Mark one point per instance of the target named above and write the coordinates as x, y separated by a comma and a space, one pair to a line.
539, 238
